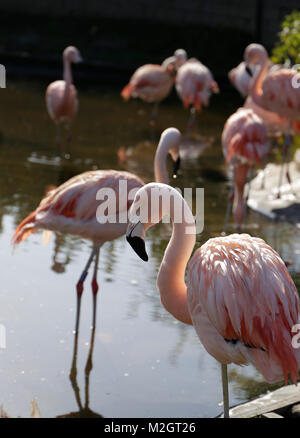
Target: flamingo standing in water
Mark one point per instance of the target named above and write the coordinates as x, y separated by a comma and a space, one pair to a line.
239, 295
241, 78
153, 82
245, 144
275, 91
194, 85
72, 208
61, 96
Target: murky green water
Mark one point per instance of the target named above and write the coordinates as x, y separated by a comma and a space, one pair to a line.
144, 362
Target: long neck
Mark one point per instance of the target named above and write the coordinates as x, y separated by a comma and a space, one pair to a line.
160, 163
256, 89
170, 280
67, 72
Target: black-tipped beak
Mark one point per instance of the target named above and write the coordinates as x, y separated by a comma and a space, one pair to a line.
249, 71
138, 245
176, 167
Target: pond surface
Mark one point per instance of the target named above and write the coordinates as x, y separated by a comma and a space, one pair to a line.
145, 363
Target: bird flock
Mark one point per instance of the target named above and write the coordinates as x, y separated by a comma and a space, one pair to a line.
235, 289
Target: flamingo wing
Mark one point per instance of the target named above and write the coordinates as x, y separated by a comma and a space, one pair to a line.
74, 203
245, 137
194, 84
243, 304
280, 95
150, 82
61, 103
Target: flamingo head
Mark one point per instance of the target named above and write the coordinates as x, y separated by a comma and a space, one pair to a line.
180, 56
255, 54
151, 203
72, 54
170, 141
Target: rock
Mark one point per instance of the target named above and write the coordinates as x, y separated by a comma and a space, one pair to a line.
271, 415
263, 196
295, 411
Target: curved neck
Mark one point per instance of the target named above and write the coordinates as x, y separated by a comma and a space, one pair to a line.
256, 89
160, 162
170, 280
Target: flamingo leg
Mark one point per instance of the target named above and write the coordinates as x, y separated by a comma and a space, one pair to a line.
68, 140
58, 138
229, 205
228, 210
247, 196
285, 154
79, 286
225, 390
191, 121
95, 287
265, 161
154, 114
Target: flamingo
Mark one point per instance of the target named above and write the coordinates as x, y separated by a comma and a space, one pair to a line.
61, 95
194, 84
275, 91
241, 78
153, 82
71, 208
178, 59
245, 144
239, 295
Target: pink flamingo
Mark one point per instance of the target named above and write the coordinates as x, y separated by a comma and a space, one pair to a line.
72, 208
241, 78
61, 96
194, 85
153, 82
245, 144
239, 295
178, 59
275, 91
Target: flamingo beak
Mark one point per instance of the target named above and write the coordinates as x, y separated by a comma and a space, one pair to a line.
136, 242
249, 71
176, 167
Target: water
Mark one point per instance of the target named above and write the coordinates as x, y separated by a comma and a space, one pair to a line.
144, 362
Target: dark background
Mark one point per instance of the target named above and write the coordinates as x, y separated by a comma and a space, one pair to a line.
117, 36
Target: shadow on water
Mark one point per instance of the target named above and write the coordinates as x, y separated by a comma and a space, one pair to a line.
140, 347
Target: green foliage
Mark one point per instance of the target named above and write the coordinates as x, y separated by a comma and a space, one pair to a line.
287, 48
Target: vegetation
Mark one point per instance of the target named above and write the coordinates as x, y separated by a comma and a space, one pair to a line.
287, 49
